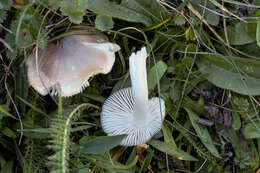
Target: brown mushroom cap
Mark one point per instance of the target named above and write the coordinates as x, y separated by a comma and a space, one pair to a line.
66, 66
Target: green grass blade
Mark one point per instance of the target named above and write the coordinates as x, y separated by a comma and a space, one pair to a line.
3, 110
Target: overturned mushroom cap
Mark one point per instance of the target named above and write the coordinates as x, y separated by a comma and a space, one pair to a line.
118, 118
65, 67
129, 111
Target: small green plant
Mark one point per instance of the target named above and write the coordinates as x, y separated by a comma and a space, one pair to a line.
203, 61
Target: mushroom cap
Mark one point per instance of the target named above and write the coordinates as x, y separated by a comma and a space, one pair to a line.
117, 117
66, 66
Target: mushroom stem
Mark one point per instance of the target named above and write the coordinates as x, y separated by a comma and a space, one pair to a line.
139, 83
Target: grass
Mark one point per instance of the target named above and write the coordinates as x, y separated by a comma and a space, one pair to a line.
210, 85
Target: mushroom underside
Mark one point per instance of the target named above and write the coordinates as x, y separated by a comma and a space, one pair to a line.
117, 117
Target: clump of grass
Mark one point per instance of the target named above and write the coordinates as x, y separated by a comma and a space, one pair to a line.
209, 78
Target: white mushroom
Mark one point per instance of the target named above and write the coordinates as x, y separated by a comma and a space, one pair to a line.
66, 66
128, 111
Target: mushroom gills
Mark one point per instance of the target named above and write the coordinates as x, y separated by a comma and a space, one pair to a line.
129, 111
118, 118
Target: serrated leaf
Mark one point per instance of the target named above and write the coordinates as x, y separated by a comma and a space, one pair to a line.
75, 9
202, 133
171, 150
240, 75
5, 5
101, 144
103, 22
156, 73
252, 130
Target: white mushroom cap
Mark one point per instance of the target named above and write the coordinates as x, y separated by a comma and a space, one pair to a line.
128, 111
66, 66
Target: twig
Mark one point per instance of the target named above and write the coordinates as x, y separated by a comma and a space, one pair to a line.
219, 106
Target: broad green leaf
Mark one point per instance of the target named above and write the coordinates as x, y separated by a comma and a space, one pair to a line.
167, 133
75, 9
207, 11
195, 106
179, 20
240, 75
101, 144
258, 33
104, 22
149, 8
171, 150
252, 130
194, 82
107, 8
157, 70
236, 121
211, 17
55, 4
241, 33
202, 133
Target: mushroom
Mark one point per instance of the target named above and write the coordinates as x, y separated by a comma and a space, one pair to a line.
66, 66
129, 111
